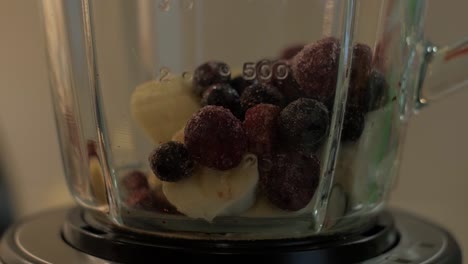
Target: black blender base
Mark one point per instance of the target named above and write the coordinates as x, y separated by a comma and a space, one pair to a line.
39, 239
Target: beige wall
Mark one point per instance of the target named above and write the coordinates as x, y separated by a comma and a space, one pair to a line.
434, 174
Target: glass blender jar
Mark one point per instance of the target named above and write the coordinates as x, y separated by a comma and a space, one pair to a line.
239, 121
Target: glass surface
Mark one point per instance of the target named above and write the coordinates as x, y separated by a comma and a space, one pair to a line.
288, 114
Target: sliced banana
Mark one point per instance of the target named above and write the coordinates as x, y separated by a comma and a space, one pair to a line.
235, 72
98, 186
179, 136
210, 193
153, 182
161, 108
357, 168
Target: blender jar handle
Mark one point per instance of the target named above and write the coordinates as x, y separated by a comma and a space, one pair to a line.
444, 70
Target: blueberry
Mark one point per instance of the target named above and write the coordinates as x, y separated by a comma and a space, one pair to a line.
303, 124
377, 90
261, 93
223, 94
239, 83
353, 123
210, 73
171, 162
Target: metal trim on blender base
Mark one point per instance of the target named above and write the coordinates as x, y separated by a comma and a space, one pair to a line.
39, 239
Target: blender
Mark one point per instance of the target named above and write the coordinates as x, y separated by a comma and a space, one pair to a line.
233, 130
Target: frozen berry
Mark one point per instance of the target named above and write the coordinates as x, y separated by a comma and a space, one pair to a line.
377, 90
210, 73
289, 180
303, 124
316, 68
353, 123
171, 162
140, 198
284, 80
261, 93
291, 51
215, 138
260, 125
222, 94
239, 83
360, 70
91, 147
134, 180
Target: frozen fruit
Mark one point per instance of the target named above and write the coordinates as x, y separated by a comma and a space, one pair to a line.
91, 147
140, 198
377, 90
98, 185
210, 193
134, 180
260, 125
179, 136
315, 68
223, 94
161, 204
303, 124
215, 138
360, 70
171, 162
291, 51
239, 83
289, 180
261, 93
284, 80
353, 123
210, 73
162, 107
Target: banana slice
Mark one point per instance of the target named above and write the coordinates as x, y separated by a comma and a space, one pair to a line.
162, 107
357, 169
210, 193
179, 136
98, 186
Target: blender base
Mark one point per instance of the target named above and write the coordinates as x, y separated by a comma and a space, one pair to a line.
45, 238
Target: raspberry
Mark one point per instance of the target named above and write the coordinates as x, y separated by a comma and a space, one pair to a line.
260, 125
140, 198
171, 162
210, 73
315, 68
303, 124
134, 180
289, 180
223, 94
291, 51
91, 147
215, 138
261, 93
